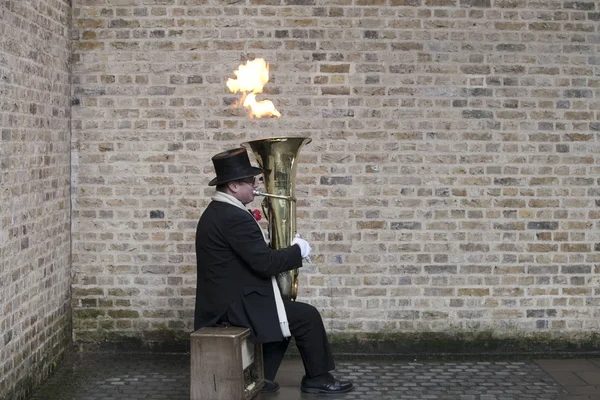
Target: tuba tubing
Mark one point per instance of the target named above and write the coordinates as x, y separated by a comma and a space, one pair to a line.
275, 196
278, 159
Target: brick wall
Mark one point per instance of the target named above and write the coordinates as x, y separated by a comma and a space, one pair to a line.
35, 318
452, 185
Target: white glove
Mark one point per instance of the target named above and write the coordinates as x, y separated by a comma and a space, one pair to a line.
305, 248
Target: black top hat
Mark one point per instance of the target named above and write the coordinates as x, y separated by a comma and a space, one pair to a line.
232, 165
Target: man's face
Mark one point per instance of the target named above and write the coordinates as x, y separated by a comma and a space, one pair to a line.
243, 190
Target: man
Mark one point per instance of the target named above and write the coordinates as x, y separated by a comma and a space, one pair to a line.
236, 285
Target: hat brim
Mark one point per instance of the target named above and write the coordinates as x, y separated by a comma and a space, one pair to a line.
253, 171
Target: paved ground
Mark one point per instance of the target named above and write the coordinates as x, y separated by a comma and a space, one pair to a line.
580, 378
107, 376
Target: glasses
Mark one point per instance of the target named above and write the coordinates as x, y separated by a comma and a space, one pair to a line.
250, 181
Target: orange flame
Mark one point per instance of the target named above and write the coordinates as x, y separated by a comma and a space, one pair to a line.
251, 78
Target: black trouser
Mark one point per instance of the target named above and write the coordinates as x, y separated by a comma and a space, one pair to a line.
306, 326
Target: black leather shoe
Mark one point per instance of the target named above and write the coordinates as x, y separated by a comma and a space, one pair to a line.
325, 384
270, 386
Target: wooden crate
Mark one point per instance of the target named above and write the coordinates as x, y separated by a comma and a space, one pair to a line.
225, 365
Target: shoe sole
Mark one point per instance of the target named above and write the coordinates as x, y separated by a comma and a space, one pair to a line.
270, 391
321, 391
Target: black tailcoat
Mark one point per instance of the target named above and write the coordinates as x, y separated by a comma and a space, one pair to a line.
235, 267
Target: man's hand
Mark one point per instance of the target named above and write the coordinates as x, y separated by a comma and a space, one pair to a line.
305, 248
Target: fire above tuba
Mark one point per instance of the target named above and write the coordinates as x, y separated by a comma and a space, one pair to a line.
277, 157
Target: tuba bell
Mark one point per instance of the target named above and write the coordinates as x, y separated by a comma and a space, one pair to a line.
277, 157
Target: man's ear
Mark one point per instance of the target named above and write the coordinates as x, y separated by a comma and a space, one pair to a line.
233, 186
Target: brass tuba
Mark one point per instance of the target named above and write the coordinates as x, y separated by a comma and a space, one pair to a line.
277, 157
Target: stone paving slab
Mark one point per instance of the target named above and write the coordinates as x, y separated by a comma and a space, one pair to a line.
104, 376
580, 378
